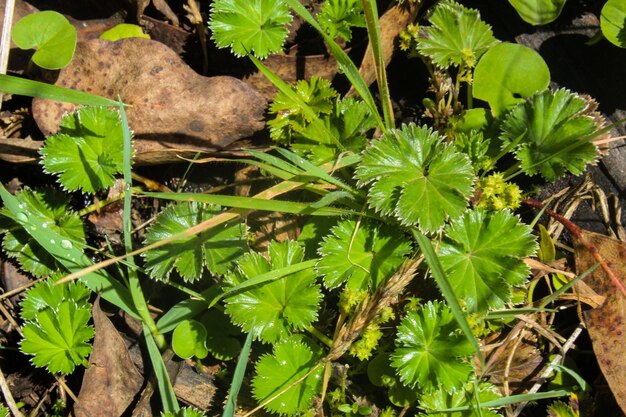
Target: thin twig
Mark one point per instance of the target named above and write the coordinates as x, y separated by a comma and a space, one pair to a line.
8, 398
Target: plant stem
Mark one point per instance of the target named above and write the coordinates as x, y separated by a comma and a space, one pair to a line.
320, 336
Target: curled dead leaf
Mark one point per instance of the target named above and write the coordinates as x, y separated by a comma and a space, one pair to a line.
172, 106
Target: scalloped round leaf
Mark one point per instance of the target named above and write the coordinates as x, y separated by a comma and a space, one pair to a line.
123, 31
613, 22
430, 348
507, 73
553, 134
441, 400
361, 254
273, 310
51, 34
290, 361
456, 36
538, 12
221, 340
53, 206
417, 177
47, 295
58, 338
216, 248
188, 340
87, 152
482, 254
255, 26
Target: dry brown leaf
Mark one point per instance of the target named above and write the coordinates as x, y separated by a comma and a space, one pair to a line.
172, 106
111, 382
607, 323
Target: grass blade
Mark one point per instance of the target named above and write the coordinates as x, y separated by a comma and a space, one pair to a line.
511, 399
166, 391
240, 370
446, 290
23, 87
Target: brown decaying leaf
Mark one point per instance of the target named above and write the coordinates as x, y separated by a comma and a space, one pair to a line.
606, 324
173, 107
111, 381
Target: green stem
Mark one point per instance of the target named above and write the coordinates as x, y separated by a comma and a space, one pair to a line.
320, 336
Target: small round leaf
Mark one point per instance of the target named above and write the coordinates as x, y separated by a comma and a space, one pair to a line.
507, 74
51, 34
538, 12
123, 31
613, 22
189, 339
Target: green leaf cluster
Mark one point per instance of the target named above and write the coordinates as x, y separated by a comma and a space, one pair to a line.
51, 205
215, 249
338, 17
417, 177
56, 332
275, 309
440, 399
87, 153
258, 27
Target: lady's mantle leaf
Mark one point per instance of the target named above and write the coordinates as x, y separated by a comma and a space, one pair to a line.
441, 400
217, 248
337, 17
88, 151
59, 338
272, 310
252, 26
185, 412
428, 350
290, 361
361, 254
51, 205
482, 255
417, 177
456, 36
47, 295
189, 339
555, 134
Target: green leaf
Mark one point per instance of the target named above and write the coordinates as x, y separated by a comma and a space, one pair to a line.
441, 400
57, 338
381, 374
290, 361
561, 409
338, 17
538, 12
613, 22
508, 73
48, 295
556, 132
361, 254
51, 34
87, 152
185, 412
123, 31
216, 248
429, 349
482, 253
221, 340
457, 36
417, 177
189, 339
255, 26
274, 309
52, 206
237, 379
476, 147
316, 93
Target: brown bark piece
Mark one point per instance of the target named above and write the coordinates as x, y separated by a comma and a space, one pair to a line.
607, 323
173, 107
111, 382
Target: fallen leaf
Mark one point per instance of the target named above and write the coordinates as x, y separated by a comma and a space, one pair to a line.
606, 324
111, 381
173, 107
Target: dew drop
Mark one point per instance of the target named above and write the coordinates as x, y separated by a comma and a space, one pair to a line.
52, 241
66, 244
22, 217
45, 225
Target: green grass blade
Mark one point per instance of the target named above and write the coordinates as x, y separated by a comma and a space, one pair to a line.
503, 314
253, 203
265, 278
274, 161
345, 63
373, 31
511, 399
72, 258
240, 370
567, 286
23, 87
446, 290
166, 391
